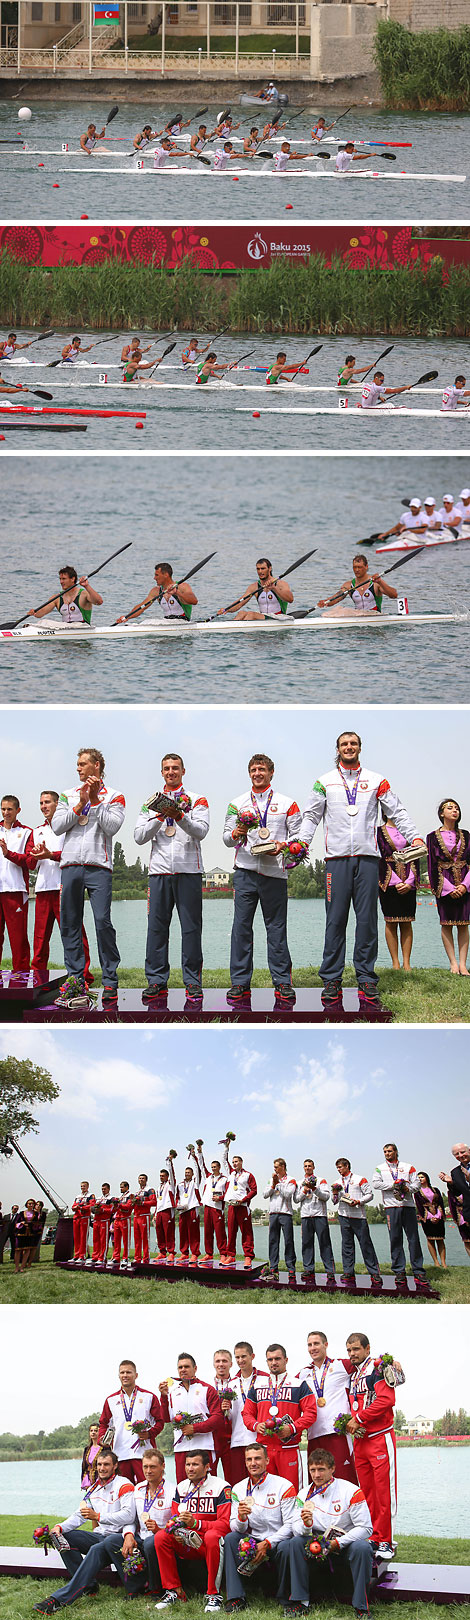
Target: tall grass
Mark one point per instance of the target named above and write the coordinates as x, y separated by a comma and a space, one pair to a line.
286, 297
429, 71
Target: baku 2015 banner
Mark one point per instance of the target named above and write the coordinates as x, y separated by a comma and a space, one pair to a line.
224, 247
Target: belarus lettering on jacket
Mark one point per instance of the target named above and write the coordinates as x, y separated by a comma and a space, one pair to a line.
282, 820
295, 1403
353, 835
110, 1501
272, 1507
339, 1507
181, 853
207, 1501
371, 1400
141, 1404
202, 1401
89, 842
144, 1505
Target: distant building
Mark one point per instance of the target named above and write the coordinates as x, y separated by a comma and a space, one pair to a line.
217, 879
418, 1425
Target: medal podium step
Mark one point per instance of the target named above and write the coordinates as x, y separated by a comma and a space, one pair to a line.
308, 1009
22, 992
436, 1583
236, 1278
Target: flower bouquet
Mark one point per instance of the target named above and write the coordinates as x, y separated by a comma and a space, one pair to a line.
44, 1537
274, 1424
140, 1428
172, 1154
319, 1545
181, 1419
133, 1564
294, 854
190, 1538
230, 1136
247, 820
341, 1425
389, 1372
401, 1188
228, 1394
247, 1548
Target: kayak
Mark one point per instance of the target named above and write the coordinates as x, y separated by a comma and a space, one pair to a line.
430, 539
47, 630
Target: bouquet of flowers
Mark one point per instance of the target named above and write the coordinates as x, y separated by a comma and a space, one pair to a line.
181, 1419
319, 1546
172, 1154
42, 1537
133, 1564
247, 820
341, 1425
391, 1374
274, 1424
140, 1427
294, 853
228, 1394
247, 1547
225, 1140
401, 1188
190, 1538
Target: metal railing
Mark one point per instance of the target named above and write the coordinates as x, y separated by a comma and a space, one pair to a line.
186, 39
67, 42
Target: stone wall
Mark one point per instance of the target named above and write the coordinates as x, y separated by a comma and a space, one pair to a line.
419, 14
342, 38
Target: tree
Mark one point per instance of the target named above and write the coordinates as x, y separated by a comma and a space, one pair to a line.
22, 1084
399, 1420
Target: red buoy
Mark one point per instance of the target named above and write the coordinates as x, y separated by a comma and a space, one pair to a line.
55, 185
139, 424
256, 413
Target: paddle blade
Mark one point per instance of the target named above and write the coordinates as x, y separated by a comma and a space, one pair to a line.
325, 155
384, 352
53, 363
370, 541
429, 376
201, 112
43, 335
389, 157
174, 119
112, 114
41, 393
200, 159
405, 559
265, 154
169, 350
277, 117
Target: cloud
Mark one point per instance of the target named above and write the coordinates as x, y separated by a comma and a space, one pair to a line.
249, 1058
89, 1088
319, 1093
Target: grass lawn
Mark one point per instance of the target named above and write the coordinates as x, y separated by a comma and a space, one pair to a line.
18, 1597
425, 996
47, 1285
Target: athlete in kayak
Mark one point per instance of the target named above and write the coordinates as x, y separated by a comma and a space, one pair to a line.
346, 155
144, 137
209, 367
277, 369
71, 351
320, 129
133, 351
455, 396
176, 601
272, 594
74, 601
9, 346
90, 139
374, 393
348, 372
365, 590
414, 519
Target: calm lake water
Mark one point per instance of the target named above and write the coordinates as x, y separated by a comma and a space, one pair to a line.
54, 1488
238, 510
440, 144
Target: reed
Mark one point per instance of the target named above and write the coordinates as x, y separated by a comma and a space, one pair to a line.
429, 71
303, 297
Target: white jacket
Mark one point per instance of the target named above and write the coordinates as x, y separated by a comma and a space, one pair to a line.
353, 835
182, 853
357, 1187
314, 1202
280, 1197
12, 874
89, 843
384, 1182
111, 1501
48, 872
272, 1507
283, 821
160, 1509
341, 1508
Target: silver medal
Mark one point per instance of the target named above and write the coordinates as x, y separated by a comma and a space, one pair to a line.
273, 1411
353, 809
263, 834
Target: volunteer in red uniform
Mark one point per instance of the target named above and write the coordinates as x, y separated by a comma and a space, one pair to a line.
127, 1405
188, 1396
103, 1211
122, 1228
240, 1383
241, 1189
15, 840
278, 1409
372, 1403
213, 1188
328, 1377
45, 854
165, 1214
145, 1201
82, 1208
202, 1505
188, 1202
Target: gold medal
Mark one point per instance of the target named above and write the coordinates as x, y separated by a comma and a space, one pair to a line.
128, 1425
321, 1400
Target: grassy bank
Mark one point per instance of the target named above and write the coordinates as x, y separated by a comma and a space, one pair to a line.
47, 1285
249, 45
429, 71
285, 298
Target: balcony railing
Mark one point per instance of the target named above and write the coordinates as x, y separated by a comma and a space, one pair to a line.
178, 39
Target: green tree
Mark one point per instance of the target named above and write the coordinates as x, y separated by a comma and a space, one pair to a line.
400, 1421
22, 1085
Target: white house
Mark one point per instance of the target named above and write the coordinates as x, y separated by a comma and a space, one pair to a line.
419, 1425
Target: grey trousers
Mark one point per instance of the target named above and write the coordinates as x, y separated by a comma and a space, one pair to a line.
352, 1228
87, 1555
316, 1226
167, 890
358, 1554
352, 880
279, 1556
271, 892
401, 1221
76, 880
151, 1573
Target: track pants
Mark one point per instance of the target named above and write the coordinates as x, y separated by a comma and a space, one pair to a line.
76, 882
283, 1460
249, 888
236, 1465
100, 1238
214, 1226
14, 916
239, 1220
351, 1229
279, 1556
46, 913
344, 1458
351, 880
165, 891
168, 1549
122, 1234
375, 1460
81, 1225
165, 1230
401, 1221
86, 1556
132, 1469
190, 1233
357, 1554
281, 1223
141, 1237
316, 1226
136, 1583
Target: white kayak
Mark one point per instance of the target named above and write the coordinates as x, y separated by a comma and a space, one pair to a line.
48, 631
357, 415
430, 539
327, 173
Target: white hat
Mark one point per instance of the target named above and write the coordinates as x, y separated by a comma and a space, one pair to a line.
448, 498
465, 495
430, 501
416, 501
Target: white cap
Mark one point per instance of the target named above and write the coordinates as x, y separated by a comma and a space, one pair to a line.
430, 501
465, 495
415, 501
448, 498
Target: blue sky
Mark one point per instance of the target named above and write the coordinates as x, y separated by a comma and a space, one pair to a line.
421, 755
128, 1096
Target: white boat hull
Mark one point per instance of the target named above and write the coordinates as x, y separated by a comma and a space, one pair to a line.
273, 174
430, 539
45, 632
356, 415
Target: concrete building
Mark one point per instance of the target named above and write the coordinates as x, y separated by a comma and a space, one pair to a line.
418, 1425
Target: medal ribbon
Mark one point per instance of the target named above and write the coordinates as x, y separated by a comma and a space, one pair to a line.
356, 1375
129, 1410
263, 815
177, 794
147, 1504
319, 1387
351, 793
274, 1392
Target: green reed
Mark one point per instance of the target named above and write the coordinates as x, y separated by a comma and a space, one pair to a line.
429, 71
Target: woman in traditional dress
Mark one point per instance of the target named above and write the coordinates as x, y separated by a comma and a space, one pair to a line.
431, 1215
398, 886
90, 1455
449, 877
27, 1234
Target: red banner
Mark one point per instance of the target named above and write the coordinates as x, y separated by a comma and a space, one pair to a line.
222, 247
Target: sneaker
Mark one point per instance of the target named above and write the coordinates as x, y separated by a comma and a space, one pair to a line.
73, 993
193, 1260
109, 997
291, 1279
330, 1279
234, 1603
207, 1260
376, 1285
371, 1007
284, 995
123, 1265
239, 996
171, 1597
268, 1276
247, 1264
296, 1608
213, 1602
182, 1260
90, 1262
48, 1606
401, 1283
385, 1549
332, 998
349, 1279
156, 995
421, 1283
309, 1278
193, 1001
